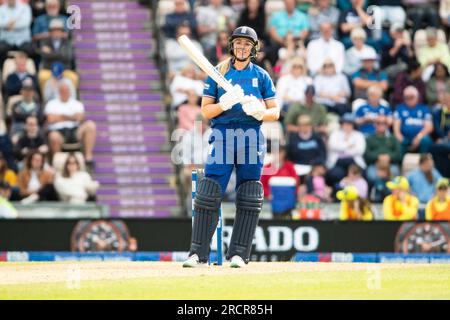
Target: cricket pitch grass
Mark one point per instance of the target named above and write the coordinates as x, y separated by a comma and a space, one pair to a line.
259, 280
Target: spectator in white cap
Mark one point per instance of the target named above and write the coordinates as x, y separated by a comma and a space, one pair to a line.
42, 23
56, 48
354, 54
368, 76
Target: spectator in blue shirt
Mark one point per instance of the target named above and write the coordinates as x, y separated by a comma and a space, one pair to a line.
368, 113
412, 123
180, 15
288, 20
368, 76
42, 23
423, 180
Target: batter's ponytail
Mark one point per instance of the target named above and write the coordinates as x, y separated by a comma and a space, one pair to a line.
224, 66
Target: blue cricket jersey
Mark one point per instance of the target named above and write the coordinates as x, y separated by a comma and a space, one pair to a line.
365, 110
253, 80
412, 119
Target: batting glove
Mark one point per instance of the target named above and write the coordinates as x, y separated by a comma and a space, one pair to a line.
253, 107
231, 97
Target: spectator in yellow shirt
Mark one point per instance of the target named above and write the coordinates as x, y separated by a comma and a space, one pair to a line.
353, 207
400, 205
438, 208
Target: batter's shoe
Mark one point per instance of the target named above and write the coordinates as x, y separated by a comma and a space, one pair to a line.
237, 262
193, 262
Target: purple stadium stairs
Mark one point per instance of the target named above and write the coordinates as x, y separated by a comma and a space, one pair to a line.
120, 88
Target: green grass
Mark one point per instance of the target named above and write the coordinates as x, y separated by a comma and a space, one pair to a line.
432, 282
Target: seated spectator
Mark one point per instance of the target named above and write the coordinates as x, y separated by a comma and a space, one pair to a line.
397, 53
73, 185
13, 83
7, 210
212, 19
184, 83
444, 12
176, 57
288, 20
354, 54
368, 76
305, 145
423, 179
291, 87
281, 167
345, 146
400, 205
324, 48
333, 89
438, 208
353, 206
438, 84
411, 77
356, 17
27, 106
391, 11
369, 112
56, 48
51, 87
41, 24
322, 11
180, 15
434, 51
8, 176
35, 182
412, 123
31, 139
254, 16
316, 112
188, 112
441, 149
422, 13
382, 152
66, 124
292, 50
354, 178
15, 34
316, 183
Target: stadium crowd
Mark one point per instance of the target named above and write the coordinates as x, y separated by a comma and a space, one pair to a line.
364, 94
46, 145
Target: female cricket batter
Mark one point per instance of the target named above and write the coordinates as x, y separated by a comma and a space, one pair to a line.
236, 142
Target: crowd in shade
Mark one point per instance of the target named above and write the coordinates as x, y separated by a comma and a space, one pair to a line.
364, 99
46, 144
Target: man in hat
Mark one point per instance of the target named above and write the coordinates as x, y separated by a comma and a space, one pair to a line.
368, 76
353, 207
413, 123
56, 48
317, 113
438, 208
42, 22
400, 205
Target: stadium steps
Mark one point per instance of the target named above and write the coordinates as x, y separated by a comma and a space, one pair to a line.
120, 88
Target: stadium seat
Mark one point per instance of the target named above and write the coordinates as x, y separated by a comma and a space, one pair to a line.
10, 66
420, 38
410, 162
9, 105
59, 159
